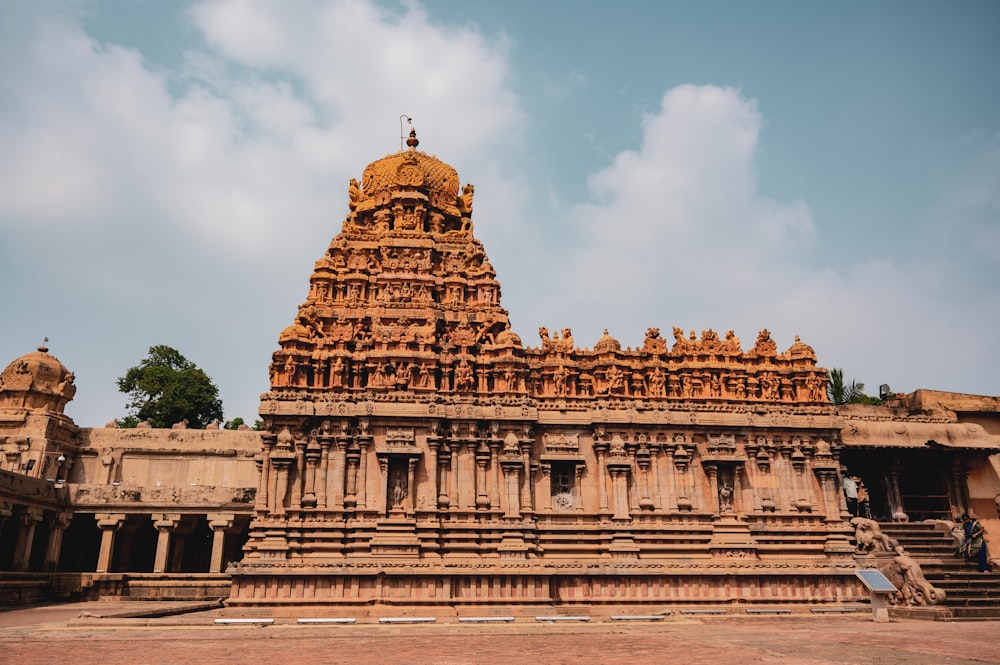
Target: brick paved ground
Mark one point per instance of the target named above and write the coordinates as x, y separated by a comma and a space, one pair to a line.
45, 635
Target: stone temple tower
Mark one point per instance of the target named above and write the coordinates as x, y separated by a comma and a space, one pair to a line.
415, 452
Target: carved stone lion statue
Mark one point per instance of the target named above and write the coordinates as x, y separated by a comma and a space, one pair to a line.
870, 538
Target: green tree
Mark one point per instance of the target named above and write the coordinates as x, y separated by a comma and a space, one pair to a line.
166, 388
840, 392
235, 423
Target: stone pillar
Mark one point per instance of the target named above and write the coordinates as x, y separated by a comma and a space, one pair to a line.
109, 523
339, 473
353, 458
619, 485
511, 464
893, 493
830, 488
657, 470
6, 510
219, 523
471, 465
321, 477
281, 461
685, 486
444, 470
25, 539
312, 458
495, 494
713, 482
643, 460
482, 457
383, 467
601, 450
740, 485
546, 489
432, 473
264, 468
296, 475
578, 487
411, 486
959, 486
671, 492
57, 526
165, 524
456, 494
528, 490
362, 484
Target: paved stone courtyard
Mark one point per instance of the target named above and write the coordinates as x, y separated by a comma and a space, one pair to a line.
58, 634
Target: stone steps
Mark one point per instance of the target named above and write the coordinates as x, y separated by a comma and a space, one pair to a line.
970, 594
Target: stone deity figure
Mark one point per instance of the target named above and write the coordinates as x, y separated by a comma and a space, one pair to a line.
398, 491
559, 377
464, 377
337, 373
725, 496
657, 383
425, 379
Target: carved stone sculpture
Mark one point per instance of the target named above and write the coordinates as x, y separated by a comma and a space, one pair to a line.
908, 577
869, 537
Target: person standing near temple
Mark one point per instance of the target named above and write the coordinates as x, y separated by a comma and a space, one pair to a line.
974, 546
864, 499
851, 492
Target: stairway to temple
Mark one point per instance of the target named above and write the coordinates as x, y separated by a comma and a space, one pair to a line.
970, 594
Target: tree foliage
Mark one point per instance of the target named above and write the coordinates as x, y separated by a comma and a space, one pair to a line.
841, 392
166, 388
236, 423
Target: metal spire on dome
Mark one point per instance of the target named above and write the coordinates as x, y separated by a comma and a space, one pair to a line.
44, 348
402, 135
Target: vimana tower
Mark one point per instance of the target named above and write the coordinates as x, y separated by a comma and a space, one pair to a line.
417, 455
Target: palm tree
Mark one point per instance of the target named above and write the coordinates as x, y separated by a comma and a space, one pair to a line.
841, 393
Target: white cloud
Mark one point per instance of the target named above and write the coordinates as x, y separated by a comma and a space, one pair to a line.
188, 211
678, 222
143, 206
678, 234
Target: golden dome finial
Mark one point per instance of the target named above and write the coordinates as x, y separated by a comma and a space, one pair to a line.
409, 121
413, 141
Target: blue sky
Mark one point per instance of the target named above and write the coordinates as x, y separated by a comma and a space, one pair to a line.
171, 171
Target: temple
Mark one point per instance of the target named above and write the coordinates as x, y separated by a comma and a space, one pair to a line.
417, 455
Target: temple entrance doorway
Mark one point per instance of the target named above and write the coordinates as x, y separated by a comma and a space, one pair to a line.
871, 465
923, 487
920, 480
